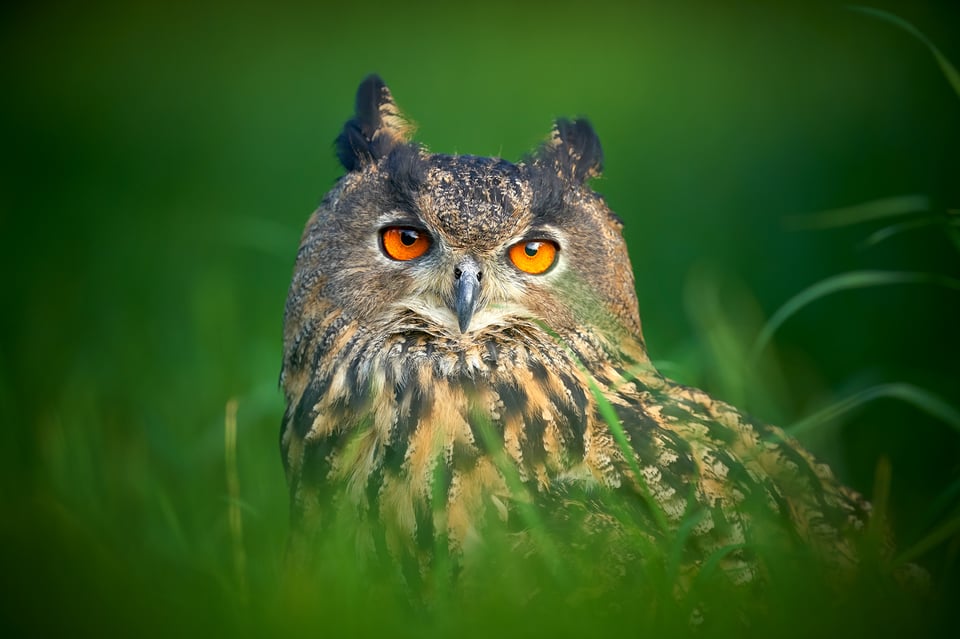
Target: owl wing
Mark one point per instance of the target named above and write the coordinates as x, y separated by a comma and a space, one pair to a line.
730, 483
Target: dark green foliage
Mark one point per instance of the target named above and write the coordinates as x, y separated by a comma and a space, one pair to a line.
158, 165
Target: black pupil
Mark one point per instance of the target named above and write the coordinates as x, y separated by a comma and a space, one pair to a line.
408, 236
531, 249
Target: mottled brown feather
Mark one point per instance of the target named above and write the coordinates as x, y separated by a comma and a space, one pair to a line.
386, 397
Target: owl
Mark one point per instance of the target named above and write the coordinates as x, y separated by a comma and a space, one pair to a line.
463, 355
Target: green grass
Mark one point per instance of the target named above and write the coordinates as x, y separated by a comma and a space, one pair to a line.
160, 163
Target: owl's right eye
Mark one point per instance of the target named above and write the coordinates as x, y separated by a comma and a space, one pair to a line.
404, 243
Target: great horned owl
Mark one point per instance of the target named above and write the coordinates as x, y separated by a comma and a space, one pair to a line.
462, 343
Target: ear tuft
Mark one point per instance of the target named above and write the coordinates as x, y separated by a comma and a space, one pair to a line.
376, 128
574, 150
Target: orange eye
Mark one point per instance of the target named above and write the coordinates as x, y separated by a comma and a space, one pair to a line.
404, 243
534, 257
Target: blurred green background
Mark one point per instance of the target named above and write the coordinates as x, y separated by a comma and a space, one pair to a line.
160, 160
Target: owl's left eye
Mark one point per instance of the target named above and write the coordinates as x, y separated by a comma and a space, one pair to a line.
404, 243
533, 256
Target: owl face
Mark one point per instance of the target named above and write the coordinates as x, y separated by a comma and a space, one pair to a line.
470, 251
461, 246
458, 240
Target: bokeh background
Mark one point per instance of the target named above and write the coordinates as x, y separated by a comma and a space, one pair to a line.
159, 161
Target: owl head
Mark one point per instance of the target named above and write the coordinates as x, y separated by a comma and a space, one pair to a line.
457, 245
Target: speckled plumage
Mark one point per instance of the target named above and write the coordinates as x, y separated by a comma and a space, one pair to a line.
424, 431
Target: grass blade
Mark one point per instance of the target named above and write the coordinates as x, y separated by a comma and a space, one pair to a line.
234, 514
842, 282
895, 206
878, 525
922, 399
523, 500
712, 563
895, 229
939, 534
609, 415
949, 71
953, 232
939, 508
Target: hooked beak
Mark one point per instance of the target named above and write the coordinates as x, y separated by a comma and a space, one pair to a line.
466, 289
